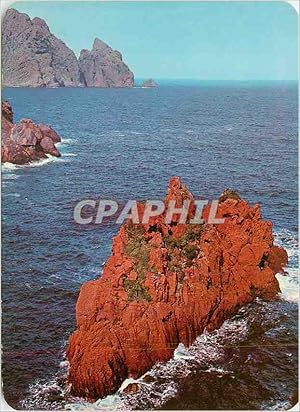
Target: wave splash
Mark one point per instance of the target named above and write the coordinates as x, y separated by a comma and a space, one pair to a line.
289, 282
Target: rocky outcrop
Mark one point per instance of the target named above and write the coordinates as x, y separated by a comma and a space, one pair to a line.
164, 284
104, 67
26, 141
33, 57
149, 83
7, 112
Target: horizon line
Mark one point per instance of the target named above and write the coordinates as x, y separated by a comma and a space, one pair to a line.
213, 80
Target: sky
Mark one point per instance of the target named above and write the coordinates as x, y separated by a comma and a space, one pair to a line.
183, 40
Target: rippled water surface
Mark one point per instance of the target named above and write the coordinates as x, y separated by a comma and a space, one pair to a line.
125, 144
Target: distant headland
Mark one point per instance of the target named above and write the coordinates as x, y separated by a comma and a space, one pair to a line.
33, 57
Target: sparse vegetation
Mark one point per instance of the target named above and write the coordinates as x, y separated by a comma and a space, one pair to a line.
229, 194
138, 249
190, 252
136, 290
193, 232
186, 246
181, 253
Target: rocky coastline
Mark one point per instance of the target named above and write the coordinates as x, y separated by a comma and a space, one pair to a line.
26, 141
164, 284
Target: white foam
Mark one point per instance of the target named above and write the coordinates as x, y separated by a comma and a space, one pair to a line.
41, 390
220, 371
289, 282
13, 195
9, 176
64, 364
8, 167
288, 240
181, 352
66, 141
136, 133
289, 288
39, 395
278, 406
207, 352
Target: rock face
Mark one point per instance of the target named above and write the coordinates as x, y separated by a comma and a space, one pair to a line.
33, 57
164, 284
149, 83
104, 67
25, 142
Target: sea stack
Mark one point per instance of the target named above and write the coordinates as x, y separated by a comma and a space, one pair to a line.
26, 141
104, 67
164, 284
149, 83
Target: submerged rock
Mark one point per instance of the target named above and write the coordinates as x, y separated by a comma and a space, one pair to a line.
163, 285
104, 67
131, 388
26, 141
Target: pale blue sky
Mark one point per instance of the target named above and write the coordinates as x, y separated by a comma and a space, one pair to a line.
192, 40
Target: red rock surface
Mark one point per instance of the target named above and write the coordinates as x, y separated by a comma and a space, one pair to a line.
26, 141
164, 284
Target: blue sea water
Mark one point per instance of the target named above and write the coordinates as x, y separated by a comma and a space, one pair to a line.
125, 144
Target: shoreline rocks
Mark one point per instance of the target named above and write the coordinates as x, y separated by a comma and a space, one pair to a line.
131, 388
164, 284
32, 56
26, 141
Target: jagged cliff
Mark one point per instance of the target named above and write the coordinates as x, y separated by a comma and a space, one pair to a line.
26, 141
33, 57
164, 284
104, 67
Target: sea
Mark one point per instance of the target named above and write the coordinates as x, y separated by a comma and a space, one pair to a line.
125, 144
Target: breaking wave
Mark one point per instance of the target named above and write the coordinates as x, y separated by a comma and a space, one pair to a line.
8, 167
289, 282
